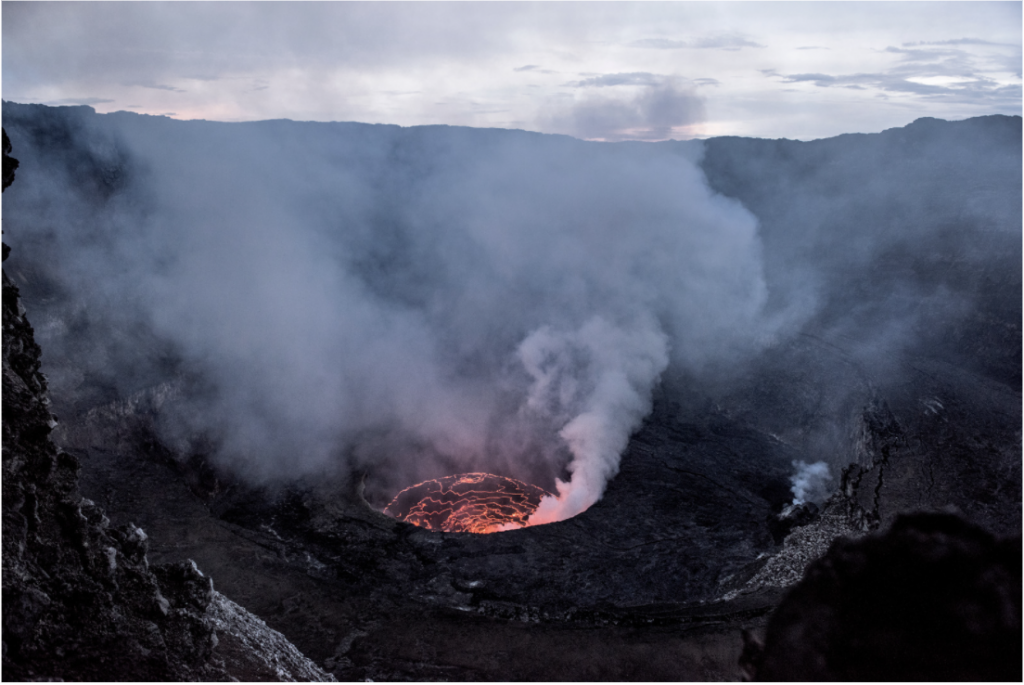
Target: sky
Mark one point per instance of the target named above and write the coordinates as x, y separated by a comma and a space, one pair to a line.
593, 70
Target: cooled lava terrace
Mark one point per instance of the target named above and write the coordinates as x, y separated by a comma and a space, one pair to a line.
467, 503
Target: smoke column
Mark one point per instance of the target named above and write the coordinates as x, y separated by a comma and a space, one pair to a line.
415, 302
810, 482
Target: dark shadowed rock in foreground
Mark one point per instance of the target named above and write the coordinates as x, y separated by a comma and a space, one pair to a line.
933, 599
80, 600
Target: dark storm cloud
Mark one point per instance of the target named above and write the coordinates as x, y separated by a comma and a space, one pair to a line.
723, 42
816, 79
662, 104
659, 44
919, 55
955, 62
79, 101
952, 71
631, 79
972, 89
324, 61
165, 39
957, 41
726, 42
159, 86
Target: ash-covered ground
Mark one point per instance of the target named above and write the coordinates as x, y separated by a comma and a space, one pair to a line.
877, 337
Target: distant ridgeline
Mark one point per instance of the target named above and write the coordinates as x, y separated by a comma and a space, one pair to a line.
926, 214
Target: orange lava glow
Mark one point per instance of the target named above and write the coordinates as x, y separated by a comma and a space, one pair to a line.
467, 503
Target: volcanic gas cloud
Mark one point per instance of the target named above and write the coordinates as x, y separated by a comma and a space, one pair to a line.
467, 503
401, 302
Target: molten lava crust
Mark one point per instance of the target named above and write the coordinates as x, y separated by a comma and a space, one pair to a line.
467, 503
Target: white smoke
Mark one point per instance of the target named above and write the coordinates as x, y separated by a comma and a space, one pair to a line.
810, 482
623, 366
411, 302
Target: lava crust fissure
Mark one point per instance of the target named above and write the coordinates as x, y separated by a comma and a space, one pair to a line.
467, 503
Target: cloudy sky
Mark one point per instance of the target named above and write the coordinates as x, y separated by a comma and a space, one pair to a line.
606, 70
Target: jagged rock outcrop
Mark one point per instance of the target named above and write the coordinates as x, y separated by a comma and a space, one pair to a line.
934, 598
251, 651
80, 600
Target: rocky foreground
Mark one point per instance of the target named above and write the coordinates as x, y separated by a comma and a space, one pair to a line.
689, 545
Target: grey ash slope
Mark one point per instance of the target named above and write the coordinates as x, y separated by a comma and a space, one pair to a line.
895, 260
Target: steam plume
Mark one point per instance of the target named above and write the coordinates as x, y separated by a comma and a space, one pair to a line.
810, 482
417, 302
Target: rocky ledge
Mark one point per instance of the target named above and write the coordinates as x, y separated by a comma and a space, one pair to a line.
935, 598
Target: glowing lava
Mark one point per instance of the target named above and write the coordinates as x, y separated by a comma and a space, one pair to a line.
467, 503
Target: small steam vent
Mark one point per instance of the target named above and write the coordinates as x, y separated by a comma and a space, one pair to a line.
467, 503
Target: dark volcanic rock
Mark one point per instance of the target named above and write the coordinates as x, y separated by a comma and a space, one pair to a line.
10, 165
80, 601
934, 598
780, 525
370, 597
